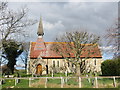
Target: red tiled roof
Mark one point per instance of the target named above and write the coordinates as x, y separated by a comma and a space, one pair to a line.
48, 53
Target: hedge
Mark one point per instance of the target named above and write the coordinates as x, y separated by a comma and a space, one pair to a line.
111, 67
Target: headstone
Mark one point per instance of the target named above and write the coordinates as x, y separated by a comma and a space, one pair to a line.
93, 82
88, 78
11, 76
3, 81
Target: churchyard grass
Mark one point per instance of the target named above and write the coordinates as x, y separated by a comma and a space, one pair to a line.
10, 83
52, 82
56, 83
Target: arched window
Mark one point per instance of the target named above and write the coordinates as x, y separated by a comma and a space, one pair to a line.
68, 64
53, 63
58, 64
46, 69
95, 62
72, 65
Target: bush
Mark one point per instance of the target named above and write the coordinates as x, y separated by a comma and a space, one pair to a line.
118, 66
111, 67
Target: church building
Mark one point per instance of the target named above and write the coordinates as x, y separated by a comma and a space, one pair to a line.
42, 60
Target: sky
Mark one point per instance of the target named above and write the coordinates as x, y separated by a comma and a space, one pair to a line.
59, 17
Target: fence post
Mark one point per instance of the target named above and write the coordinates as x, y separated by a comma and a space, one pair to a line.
88, 78
61, 82
52, 73
96, 83
29, 82
79, 82
114, 83
46, 82
15, 82
1, 82
66, 76
66, 73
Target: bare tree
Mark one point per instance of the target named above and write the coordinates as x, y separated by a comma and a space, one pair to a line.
13, 23
72, 45
113, 38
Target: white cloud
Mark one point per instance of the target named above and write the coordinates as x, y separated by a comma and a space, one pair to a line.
62, 0
48, 26
61, 17
53, 26
105, 48
93, 16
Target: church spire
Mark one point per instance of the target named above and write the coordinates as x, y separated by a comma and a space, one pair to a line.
40, 28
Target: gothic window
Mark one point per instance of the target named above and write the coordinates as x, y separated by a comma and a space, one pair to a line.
57, 63
53, 63
95, 62
68, 64
72, 65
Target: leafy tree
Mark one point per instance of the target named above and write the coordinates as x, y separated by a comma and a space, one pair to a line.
108, 68
111, 67
117, 61
12, 50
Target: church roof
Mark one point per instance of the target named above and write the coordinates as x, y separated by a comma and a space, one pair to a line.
41, 49
48, 53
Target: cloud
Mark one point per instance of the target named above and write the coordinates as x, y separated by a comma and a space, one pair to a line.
59, 17
107, 51
106, 48
54, 26
62, 0
53, 29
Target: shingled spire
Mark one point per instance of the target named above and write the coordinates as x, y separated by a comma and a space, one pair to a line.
39, 48
40, 28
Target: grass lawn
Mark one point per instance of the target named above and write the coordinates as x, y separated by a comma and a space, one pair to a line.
86, 83
11, 83
22, 84
56, 83
8, 83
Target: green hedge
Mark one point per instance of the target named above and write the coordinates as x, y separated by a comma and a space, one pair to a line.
111, 67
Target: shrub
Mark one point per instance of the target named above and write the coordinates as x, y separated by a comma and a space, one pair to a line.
111, 67
118, 66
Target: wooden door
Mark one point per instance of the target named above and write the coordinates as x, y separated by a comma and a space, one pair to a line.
39, 69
